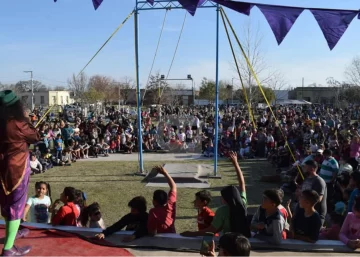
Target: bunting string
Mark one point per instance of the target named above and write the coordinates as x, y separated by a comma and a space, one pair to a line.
107, 41
332, 22
260, 87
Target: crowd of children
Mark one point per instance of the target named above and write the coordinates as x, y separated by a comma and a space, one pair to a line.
272, 222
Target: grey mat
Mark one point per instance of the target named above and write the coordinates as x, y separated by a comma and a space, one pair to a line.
185, 175
177, 242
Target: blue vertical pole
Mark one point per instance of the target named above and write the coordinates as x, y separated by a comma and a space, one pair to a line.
217, 92
141, 164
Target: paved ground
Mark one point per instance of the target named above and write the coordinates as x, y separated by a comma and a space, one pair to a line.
150, 157
147, 252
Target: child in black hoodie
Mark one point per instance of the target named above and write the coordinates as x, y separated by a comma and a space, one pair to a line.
135, 221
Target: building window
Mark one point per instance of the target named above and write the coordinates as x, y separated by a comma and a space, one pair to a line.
62, 100
42, 99
67, 99
54, 100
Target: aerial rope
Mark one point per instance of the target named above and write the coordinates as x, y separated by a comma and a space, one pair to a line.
156, 51
107, 41
238, 70
223, 14
175, 52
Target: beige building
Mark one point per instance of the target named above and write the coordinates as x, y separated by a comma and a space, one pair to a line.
321, 95
47, 98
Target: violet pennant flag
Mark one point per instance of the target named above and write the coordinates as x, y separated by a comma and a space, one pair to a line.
201, 2
280, 19
150, 2
333, 24
97, 3
190, 5
240, 7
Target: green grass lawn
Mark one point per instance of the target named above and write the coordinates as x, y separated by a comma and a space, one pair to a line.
112, 185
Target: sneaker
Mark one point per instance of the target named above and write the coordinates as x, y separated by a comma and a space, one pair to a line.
22, 233
16, 251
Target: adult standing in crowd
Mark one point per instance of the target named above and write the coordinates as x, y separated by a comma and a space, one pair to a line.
16, 133
314, 182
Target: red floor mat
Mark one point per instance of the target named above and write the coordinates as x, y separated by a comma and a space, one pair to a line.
58, 243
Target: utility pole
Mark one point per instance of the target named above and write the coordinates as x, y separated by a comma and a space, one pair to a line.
302, 89
32, 89
119, 98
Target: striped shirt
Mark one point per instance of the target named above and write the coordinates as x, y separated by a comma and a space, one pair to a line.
329, 167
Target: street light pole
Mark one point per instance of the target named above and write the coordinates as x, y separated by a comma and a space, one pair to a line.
32, 89
162, 78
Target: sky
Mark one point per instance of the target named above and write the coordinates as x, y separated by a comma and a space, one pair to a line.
55, 40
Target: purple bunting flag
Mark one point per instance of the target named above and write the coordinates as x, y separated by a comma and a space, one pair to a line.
150, 2
97, 3
240, 7
333, 24
190, 5
280, 19
201, 2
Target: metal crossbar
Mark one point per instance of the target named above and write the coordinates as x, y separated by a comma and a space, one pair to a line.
168, 5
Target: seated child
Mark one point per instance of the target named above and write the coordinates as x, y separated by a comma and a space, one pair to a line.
84, 149
306, 222
47, 160
93, 213
162, 216
135, 221
350, 230
332, 233
205, 214
68, 213
39, 204
103, 147
35, 165
94, 149
268, 222
67, 158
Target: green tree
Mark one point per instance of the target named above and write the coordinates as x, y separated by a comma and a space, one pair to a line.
208, 90
154, 90
92, 95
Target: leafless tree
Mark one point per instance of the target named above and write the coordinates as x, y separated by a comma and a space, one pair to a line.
126, 85
279, 85
252, 45
59, 88
79, 85
105, 85
352, 71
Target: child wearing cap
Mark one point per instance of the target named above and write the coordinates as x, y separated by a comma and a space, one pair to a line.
268, 222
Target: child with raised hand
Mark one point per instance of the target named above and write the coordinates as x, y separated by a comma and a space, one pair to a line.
232, 216
135, 221
91, 217
306, 222
350, 230
205, 214
162, 216
68, 213
39, 204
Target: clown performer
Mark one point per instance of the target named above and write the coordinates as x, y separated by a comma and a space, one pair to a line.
16, 133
